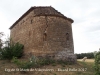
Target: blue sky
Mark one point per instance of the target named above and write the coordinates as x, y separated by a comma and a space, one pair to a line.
85, 13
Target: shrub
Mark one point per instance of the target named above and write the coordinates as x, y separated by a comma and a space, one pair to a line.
22, 64
88, 55
46, 61
38, 62
34, 59
26, 65
54, 64
97, 64
1, 41
12, 50
15, 60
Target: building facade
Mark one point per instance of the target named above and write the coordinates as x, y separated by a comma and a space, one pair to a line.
44, 32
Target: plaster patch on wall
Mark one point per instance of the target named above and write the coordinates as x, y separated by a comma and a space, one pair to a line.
65, 55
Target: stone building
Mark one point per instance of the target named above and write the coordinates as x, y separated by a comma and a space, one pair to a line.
44, 32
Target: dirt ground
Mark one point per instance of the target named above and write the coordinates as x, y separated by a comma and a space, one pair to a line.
80, 68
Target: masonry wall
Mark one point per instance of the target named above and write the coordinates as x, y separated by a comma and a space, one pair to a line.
58, 41
21, 32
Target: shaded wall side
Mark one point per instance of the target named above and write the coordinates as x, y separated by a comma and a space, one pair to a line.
57, 38
22, 30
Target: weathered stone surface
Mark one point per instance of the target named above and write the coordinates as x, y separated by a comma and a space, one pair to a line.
44, 31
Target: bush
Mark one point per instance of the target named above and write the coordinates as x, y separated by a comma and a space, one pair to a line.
97, 64
46, 61
24, 64
35, 62
54, 64
21, 64
12, 50
88, 55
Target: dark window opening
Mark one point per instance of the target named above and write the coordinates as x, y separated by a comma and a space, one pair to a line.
23, 21
67, 36
31, 21
45, 37
29, 33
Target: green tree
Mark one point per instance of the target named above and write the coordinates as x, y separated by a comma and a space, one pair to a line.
1, 44
88, 55
11, 50
97, 63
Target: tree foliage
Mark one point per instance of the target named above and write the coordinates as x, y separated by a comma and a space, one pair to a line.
97, 64
11, 50
88, 55
1, 34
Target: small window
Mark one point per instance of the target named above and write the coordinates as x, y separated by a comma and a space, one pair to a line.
31, 21
29, 33
45, 37
67, 36
23, 21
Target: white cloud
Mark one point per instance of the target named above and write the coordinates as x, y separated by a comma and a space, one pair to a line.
4, 24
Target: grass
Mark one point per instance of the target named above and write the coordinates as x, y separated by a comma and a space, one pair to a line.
87, 60
80, 68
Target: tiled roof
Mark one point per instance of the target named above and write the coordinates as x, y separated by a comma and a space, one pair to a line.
39, 11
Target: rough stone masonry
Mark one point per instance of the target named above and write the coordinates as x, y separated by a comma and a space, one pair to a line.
44, 32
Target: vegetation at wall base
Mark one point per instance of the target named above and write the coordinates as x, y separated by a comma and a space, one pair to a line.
11, 50
35, 62
23, 64
6, 64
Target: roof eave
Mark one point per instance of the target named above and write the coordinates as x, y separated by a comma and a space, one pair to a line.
32, 8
